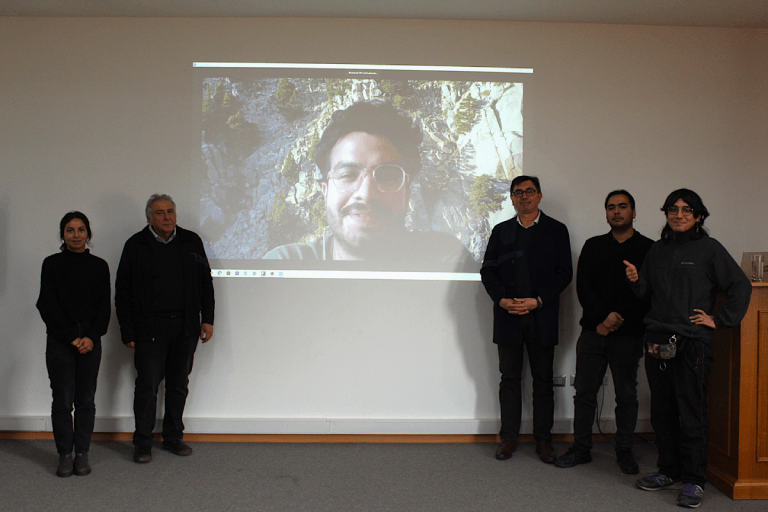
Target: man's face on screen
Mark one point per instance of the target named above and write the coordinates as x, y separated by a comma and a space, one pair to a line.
366, 195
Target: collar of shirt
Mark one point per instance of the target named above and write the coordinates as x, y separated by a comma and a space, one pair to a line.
613, 238
170, 239
536, 221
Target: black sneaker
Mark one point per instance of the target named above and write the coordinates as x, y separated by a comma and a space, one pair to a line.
177, 447
658, 481
65, 468
82, 467
627, 461
142, 453
573, 457
690, 496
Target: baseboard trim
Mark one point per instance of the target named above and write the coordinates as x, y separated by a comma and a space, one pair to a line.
323, 438
313, 430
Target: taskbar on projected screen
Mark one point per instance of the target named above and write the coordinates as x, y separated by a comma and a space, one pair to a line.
345, 274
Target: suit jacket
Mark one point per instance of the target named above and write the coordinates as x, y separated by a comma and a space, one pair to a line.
551, 270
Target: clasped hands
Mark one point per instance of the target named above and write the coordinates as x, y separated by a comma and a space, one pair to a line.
611, 323
519, 306
83, 345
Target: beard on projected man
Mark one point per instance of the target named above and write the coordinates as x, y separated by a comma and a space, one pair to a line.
366, 195
368, 157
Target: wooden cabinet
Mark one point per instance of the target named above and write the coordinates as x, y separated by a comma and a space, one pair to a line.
738, 404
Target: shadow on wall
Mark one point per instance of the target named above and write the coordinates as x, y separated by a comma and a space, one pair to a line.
473, 317
4, 266
116, 374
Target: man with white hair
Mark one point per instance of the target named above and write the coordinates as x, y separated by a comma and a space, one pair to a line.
164, 303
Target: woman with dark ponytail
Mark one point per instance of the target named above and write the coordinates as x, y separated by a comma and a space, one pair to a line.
74, 303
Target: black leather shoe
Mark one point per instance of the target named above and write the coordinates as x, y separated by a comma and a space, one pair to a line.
82, 467
142, 454
177, 447
546, 452
505, 449
573, 457
65, 466
627, 461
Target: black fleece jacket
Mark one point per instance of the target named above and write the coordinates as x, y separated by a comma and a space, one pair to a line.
681, 274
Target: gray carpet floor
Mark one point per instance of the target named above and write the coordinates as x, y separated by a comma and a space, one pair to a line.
333, 477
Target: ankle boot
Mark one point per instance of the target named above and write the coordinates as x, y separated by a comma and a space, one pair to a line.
82, 467
65, 466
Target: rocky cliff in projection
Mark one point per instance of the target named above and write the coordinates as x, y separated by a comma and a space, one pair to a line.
260, 188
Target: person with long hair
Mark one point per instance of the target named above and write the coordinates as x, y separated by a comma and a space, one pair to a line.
74, 303
681, 276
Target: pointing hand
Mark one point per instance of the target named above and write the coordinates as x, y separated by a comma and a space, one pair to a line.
631, 272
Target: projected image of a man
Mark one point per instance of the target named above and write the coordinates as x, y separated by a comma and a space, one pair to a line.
366, 195
368, 156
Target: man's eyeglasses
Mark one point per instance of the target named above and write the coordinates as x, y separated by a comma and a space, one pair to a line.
388, 177
529, 192
673, 210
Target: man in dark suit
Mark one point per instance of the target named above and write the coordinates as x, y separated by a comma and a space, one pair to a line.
527, 265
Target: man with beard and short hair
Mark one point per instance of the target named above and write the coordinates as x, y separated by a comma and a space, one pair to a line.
527, 266
164, 303
368, 157
681, 276
612, 332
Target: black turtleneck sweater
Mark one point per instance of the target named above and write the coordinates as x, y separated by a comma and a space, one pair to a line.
681, 274
74, 296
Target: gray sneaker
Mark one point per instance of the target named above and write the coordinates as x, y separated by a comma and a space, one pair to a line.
658, 481
690, 496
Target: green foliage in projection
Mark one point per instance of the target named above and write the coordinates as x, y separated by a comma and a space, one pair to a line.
286, 95
237, 121
482, 199
438, 181
224, 119
312, 143
208, 103
336, 87
397, 91
317, 216
291, 170
281, 221
466, 115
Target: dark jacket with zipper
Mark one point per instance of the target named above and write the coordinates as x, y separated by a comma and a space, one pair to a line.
681, 274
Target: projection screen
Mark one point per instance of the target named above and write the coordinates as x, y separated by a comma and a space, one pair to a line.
361, 172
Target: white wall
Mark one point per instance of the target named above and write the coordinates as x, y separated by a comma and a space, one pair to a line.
96, 116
